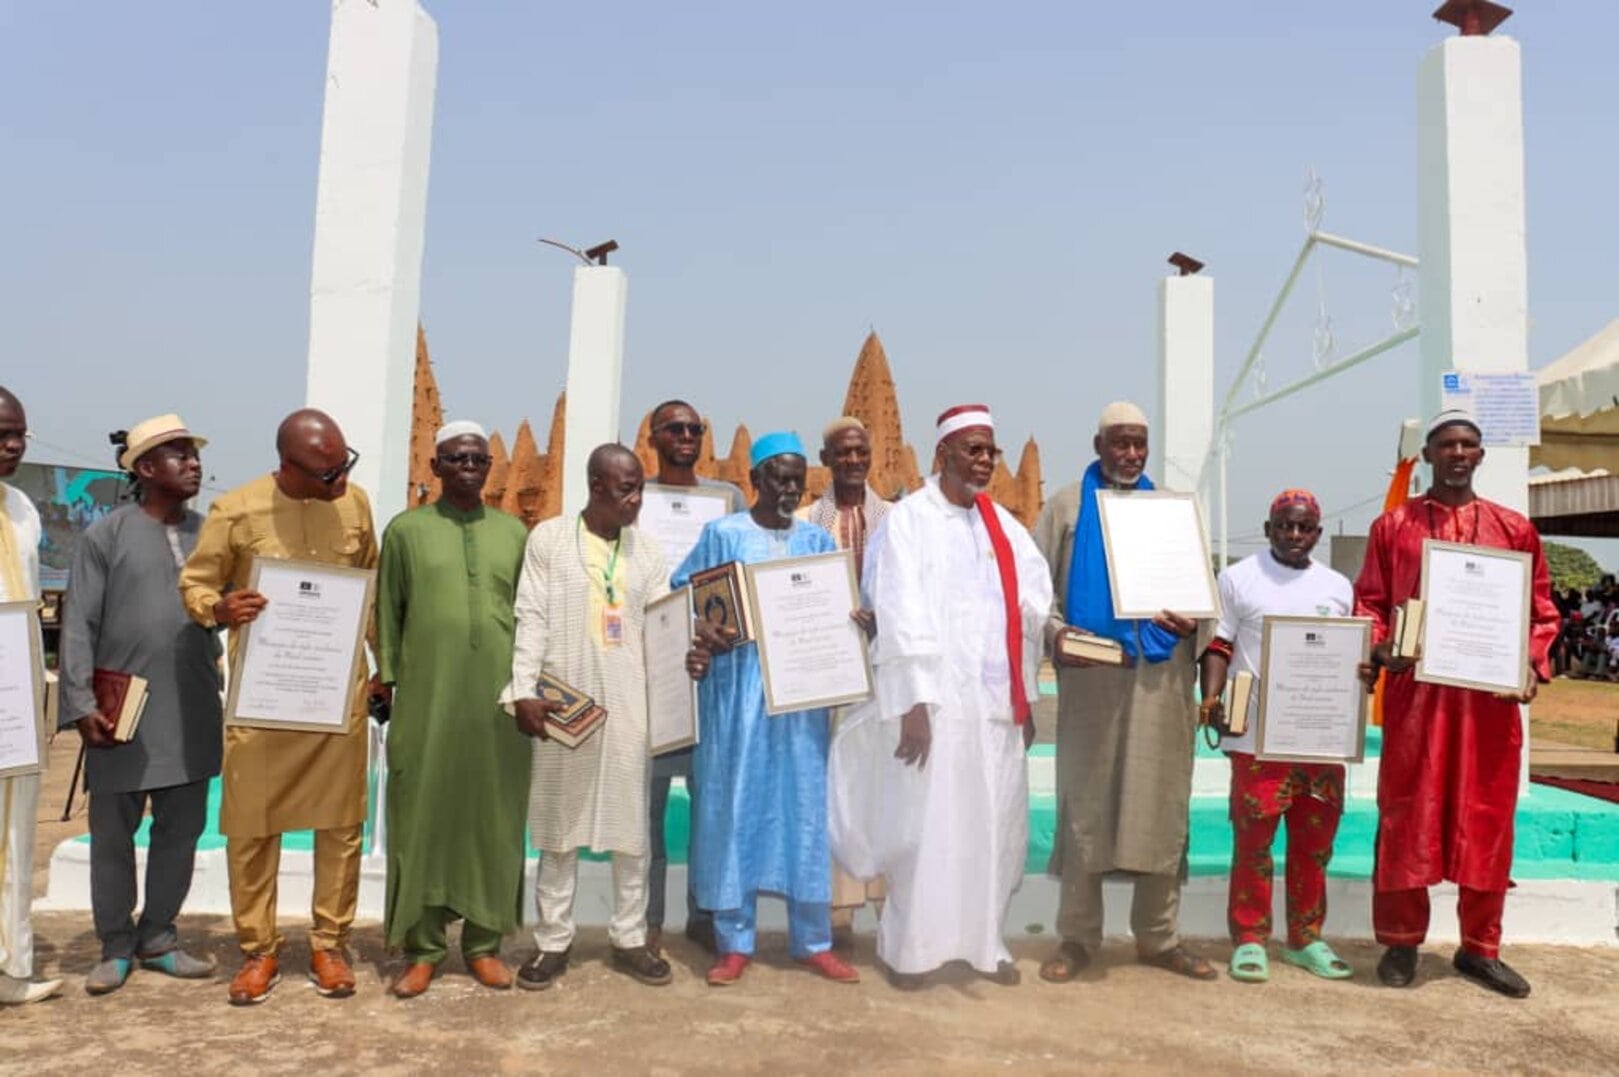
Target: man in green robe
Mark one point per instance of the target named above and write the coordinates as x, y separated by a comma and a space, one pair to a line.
458, 768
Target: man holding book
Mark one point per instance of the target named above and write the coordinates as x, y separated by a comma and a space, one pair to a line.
1447, 786
1125, 725
129, 651
19, 793
458, 772
761, 779
581, 610
1284, 581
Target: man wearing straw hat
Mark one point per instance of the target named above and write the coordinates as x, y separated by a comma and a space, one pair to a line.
123, 615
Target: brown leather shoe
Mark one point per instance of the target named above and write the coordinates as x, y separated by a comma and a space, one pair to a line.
259, 973
416, 978
490, 971
330, 971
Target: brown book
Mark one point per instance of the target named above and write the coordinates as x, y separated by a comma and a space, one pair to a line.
579, 716
1239, 695
1405, 638
573, 733
1098, 649
121, 697
719, 597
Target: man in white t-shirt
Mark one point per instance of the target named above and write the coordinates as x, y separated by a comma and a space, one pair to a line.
1280, 580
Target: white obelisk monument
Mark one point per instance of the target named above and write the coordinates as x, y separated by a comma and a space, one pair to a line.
1470, 230
595, 360
370, 216
1185, 382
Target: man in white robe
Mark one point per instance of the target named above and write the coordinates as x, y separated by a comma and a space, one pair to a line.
19, 796
945, 817
580, 610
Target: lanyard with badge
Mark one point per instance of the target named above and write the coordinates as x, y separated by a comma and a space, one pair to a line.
612, 608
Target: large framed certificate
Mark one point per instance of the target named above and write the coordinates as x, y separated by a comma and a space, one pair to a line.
1157, 554
297, 662
1312, 704
675, 515
1475, 602
22, 691
811, 652
671, 694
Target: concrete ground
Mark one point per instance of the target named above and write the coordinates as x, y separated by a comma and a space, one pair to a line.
782, 1019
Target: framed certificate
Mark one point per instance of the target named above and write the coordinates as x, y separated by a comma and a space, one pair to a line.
1475, 602
811, 652
1312, 704
22, 690
671, 694
297, 663
676, 515
1157, 554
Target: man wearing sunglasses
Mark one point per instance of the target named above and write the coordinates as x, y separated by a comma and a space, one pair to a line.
281, 780
677, 438
458, 771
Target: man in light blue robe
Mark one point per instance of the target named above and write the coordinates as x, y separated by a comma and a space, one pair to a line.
761, 780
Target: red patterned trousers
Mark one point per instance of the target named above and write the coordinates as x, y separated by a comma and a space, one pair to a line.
1310, 797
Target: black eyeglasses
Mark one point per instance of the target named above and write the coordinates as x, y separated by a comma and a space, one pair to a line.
331, 474
461, 459
695, 430
976, 452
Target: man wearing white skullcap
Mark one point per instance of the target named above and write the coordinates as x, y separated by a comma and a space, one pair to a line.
1124, 732
458, 769
1448, 784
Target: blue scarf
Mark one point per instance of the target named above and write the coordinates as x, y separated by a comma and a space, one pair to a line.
1089, 602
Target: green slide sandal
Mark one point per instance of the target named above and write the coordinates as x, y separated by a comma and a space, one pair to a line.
1319, 959
1250, 963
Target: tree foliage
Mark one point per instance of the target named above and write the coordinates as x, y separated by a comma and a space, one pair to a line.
1571, 567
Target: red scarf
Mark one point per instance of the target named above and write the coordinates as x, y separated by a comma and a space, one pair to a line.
1014, 613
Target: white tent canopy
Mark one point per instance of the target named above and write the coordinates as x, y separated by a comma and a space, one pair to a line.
1579, 406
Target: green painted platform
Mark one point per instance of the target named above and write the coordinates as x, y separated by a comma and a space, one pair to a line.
1560, 835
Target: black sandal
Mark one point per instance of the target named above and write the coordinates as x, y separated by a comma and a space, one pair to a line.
1068, 962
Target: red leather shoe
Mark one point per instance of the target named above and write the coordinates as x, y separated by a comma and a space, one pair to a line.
727, 970
330, 971
832, 967
259, 973
416, 979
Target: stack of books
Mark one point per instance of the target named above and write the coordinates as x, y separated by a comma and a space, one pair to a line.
1239, 694
1405, 638
121, 697
1097, 649
719, 597
579, 717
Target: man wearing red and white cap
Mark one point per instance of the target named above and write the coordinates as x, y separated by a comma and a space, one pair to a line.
1282, 581
1447, 785
929, 787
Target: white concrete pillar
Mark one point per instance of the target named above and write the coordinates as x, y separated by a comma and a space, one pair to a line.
1185, 384
370, 215
595, 360
1470, 230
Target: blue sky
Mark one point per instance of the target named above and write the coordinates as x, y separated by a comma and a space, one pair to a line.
993, 187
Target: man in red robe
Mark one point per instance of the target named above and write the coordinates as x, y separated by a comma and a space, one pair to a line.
1448, 785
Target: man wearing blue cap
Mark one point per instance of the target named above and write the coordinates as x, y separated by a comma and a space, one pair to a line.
760, 822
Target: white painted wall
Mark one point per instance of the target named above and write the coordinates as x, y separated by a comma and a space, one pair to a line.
595, 360
1185, 383
370, 216
1471, 231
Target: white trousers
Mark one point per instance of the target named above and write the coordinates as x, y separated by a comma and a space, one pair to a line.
554, 892
19, 808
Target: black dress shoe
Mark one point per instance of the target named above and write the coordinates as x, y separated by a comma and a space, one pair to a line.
701, 931
1006, 974
1492, 972
1398, 966
906, 981
543, 971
